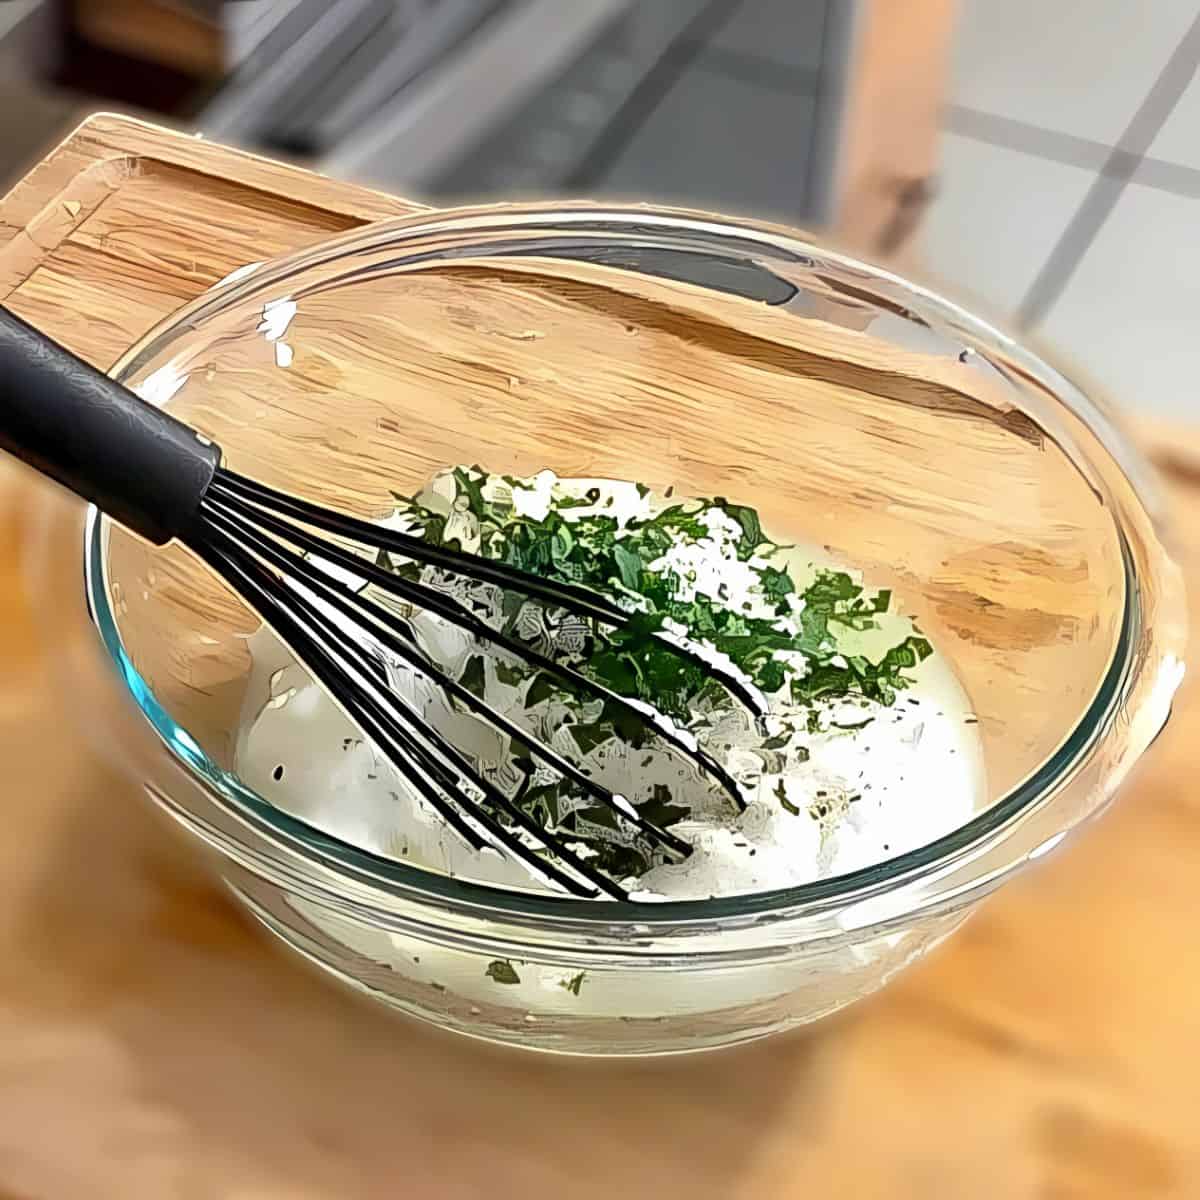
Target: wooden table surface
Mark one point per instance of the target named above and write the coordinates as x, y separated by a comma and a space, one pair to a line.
152, 1044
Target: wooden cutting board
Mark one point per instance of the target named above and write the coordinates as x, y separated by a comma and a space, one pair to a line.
153, 1045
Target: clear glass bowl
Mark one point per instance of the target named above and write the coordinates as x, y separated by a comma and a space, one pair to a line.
854, 409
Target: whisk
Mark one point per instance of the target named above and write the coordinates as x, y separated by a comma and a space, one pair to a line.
289, 558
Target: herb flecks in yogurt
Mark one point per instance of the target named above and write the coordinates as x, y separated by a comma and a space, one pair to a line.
502, 971
573, 984
700, 570
828, 783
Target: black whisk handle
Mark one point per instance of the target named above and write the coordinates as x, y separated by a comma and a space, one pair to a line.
141, 466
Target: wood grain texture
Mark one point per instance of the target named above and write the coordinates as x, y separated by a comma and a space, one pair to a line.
890, 458
151, 1045
251, 208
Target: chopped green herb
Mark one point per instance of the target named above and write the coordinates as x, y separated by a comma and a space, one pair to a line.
542, 688
785, 803
573, 984
852, 724
507, 673
629, 566
659, 808
588, 737
752, 533
786, 640
474, 676
502, 971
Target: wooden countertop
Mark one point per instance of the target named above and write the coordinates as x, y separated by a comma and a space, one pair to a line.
152, 1044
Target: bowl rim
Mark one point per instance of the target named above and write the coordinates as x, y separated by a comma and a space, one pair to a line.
406, 881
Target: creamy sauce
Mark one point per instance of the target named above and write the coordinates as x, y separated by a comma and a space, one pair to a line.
868, 783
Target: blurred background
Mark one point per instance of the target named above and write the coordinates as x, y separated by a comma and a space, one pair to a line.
1042, 160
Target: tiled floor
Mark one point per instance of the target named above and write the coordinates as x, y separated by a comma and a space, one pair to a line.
1080, 66
1179, 139
1130, 313
988, 242
1069, 199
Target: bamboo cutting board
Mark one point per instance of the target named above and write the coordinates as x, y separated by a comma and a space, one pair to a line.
153, 1045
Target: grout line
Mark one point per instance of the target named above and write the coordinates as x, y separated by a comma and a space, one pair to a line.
1011, 134
651, 91
1074, 242
1170, 177
1054, 146
1161, 174
753, 69
1114, 177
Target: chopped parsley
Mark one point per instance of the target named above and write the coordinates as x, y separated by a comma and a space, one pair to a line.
573, 984
502, 971
789, 641
784, 803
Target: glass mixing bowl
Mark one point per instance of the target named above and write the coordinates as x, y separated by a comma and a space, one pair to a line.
853, 409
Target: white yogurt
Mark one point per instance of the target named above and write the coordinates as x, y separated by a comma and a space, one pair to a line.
917, 769
913, 772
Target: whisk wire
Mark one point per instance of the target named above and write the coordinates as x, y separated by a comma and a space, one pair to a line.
397, 731
287, 558
445, 606
355, 607
552, 592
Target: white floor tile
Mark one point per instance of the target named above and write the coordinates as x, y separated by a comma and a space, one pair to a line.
1179, 139
997, 215
1128, 317
1078, 66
